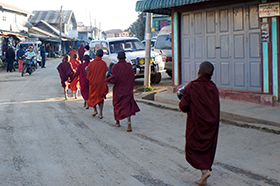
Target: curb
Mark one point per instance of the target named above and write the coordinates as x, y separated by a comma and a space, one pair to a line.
225, 117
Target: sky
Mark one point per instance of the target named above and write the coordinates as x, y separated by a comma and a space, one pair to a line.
104, 14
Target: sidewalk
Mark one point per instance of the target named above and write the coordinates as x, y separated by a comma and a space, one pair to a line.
238, 113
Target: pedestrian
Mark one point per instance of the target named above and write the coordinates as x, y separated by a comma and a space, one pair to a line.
10, 57
87, 51
81, 51
122, 76
84, 83
201, 102
75, 85
49, 49
20, 54
66, 73
98, 87
72, 52
43, 56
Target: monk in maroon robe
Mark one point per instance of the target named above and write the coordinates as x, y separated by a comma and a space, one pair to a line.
98, 87
201, 102
84, 83
123, 101
72, 52
81, 51
66, 73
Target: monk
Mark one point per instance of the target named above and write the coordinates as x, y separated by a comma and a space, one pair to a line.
84, 83
75, 84
123, 101
98, 87
201, 102
66, 73
81, 51
72, 52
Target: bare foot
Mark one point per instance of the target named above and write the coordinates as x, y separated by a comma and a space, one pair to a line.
94, 114
202, 180
100, 117
117, 124
129, 129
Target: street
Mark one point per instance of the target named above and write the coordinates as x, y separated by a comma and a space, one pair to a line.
47, 141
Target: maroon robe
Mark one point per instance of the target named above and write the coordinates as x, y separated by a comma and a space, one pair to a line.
201, 101
81, 73
81, 51
66, 73
123, 79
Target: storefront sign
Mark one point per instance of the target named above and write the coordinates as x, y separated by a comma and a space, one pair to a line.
265, 32
269, 9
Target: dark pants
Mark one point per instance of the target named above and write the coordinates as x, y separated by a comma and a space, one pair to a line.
43, 60
10, 64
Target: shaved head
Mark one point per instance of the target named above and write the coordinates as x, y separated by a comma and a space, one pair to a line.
121, 55
206, 69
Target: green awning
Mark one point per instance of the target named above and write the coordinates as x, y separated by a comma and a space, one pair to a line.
162, 6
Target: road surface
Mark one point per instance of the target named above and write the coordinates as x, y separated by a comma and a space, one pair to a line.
47, 141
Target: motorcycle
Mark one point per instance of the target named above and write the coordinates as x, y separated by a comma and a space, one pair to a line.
29, 66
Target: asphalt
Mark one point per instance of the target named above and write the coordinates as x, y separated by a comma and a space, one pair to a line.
242, 114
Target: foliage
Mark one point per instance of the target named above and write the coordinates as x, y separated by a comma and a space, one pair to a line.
137, 28
145, 89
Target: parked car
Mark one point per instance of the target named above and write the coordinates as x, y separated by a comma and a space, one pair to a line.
36, 49
152, 43
163, 46
135, 54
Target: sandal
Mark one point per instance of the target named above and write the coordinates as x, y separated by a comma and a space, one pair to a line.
94, 114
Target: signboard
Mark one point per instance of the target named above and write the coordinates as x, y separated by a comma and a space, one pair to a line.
265, 32
73, 34
269, 9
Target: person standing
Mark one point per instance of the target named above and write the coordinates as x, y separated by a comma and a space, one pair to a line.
201, 102
84, 83
43, 56
66, 73
10, 57
75, 85
123, 101
81, 51
98, 87
20, 54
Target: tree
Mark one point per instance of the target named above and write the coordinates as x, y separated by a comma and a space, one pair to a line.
137, 28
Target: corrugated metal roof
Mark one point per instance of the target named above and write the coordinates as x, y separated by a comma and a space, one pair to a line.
162, 6
50, 16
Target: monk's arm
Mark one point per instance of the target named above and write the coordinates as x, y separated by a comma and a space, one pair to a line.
184, 104
111, 78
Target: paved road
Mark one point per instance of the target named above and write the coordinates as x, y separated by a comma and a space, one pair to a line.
45, 140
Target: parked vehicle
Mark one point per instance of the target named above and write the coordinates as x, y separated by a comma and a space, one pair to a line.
153, 41
135, 54
36, 45
29, 66
163, 46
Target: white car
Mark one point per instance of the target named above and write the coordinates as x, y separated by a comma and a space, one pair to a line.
135, 54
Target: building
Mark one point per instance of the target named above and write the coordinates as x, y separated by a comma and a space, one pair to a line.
88, 33
116, 33
49, 21
240, 37
13, 21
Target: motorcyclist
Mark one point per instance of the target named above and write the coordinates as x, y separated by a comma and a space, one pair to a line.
31, 56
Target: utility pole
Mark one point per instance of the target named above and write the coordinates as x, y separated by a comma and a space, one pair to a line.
147, 72
60, 45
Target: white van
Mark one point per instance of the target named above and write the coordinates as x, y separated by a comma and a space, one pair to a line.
163, 46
